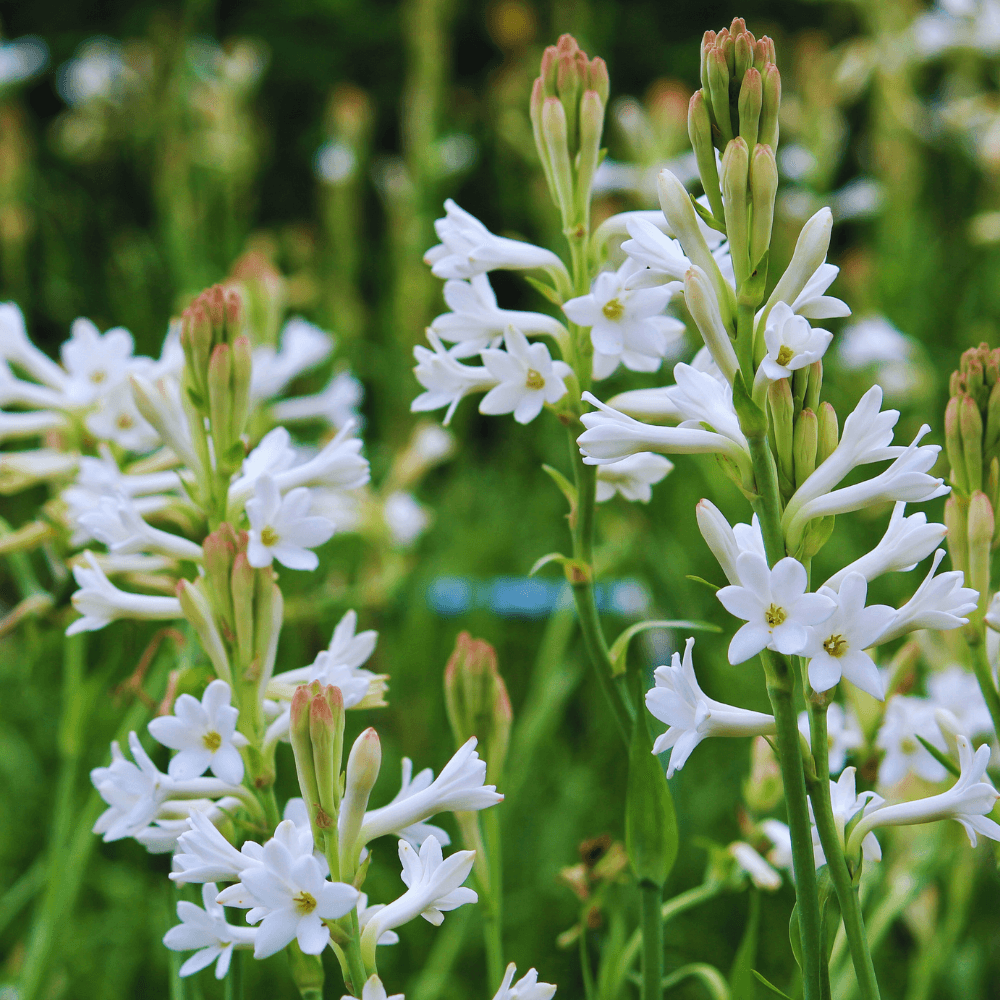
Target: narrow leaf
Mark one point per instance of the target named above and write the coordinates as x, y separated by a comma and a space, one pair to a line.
568, 489
700, 579
619, 648
707, 216
547, 290
943, 759
774, 989
741, 982
546, 559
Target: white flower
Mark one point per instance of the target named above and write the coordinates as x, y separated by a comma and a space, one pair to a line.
626, 325
337, 404
632, 477
273, 454
174, 820
691, 715
434, 886
468, 248
526, 988
846, 804
651, 248
810, 252
289, 897
17, 392
118, 419
366, 912
204, 855
775, 606
654, 406
907, 717
459, 787
958, 692
406, 519
791, 343
208, 930
18, 425
100, 602
836, 648
906, 542
374, 990
968, 801
339, 465
761, 873
117, 523
446, 380
95, 362
15, 346
813, 303
727, 543
702, 399
204, 734
280, 527
780, 836
527, 378
161, 403
476, 322
940, 602
843, 733
303, 346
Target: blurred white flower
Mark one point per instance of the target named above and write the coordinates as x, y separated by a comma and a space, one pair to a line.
843, 734
406, 519
337, 404
526, 988
303, 346
907, 717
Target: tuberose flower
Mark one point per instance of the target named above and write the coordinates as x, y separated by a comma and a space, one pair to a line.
527, 378
526, 988
207, 930
632, 477
281, 528
791, 343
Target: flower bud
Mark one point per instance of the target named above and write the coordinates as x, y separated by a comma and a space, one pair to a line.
762, 788
991, 435
956, 515
735, 176
701, 302
198, 612
242, 362
213, 318
262, 288
477, 702
242, 585
953, 444
219, 550
805, 445
763, 188
763, 53
743, 60
810, 251
556, 142
981, 525
700, 134
719, 537
298, 734
767, 131
363, 766
815, 387
718, 91
828, 432
220, 399
779, 397
749, 106
970, 425
326, 737
307, 972
591, 128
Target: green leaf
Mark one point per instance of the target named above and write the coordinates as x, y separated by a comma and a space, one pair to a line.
546, 559
576, 571
569, 491
774, 989
547, 290
943, 759
699, 579
752, 290
650, 820
619, 648
707, 216
793, 935
741, 982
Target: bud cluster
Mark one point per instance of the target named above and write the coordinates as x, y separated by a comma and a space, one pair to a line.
567, 118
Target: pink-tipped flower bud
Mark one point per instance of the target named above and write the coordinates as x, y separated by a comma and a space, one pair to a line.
763, 188
749, 106
970, 424
767, 132
700, 134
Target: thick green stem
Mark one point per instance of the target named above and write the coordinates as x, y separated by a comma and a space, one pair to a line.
847, 892
652, 941
781, 691
744, 343
984, 674
767, 505
359, 974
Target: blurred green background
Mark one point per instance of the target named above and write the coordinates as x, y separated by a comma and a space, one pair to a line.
162, 141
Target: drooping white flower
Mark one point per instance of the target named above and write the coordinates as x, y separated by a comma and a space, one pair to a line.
527, 378
652, 248
281, 528
526, 988
632, 477
203, 734
691, 716
337, 404
117, 522
100, 602
775, 606
374, 990
702, 399
477, 322
846, 805
460, 786
836, 648
906, 718
907, 541
940, 602
728, 542
791, 343
289, 897
445, 379
16, 346
843, 734
303, 346
433, 886
760, 872
968, 801
94, 361
207, 930
626, 325
468, 248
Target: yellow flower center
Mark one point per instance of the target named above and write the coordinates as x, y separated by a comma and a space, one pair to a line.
98, 376
835, 645
269, 536
534, 380
304, 903
212, 741
908, 746
785, 355
774, 616
613, 309
124, 421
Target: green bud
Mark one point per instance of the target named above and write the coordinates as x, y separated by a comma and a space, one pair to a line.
970, 425
220, 370
242, 585
299, 736
953, 444
198, 613
779, 397
363, 765
220, 549
700, 134
815, 387
991, 437
477, 702
763, 188
242, 366
718, 91
981, 528
956, 517
763, 53
800, 387
735, 177
701, 302
749, 106
767, 131
829, 432
555, 138
805, 445
743, 60
591, 128
326, 735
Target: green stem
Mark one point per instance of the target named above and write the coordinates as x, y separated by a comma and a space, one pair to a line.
847, 892
781, 691
984, 674
744, 343
493, 912
359, 974
767, 505
652, 941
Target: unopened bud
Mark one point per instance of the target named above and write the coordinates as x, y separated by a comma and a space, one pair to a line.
326, 734
242, 368
981, 526
762, 788
970, 425
298, 734
306, 970
219, 550
719, 537
242, 586
767, 132
220, 370
749, 106
718, 90
743, 60
699, 297
735, 177
828, 432
707, 45
763, 188
779, 398
953, 444
991, 432
555, 138
763, 53
815, 387
805, 445
363, 765
956, 518
591, 129
700, 134
198, 612
810, 251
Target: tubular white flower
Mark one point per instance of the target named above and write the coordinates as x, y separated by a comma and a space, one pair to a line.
906, 479
968, 801
468, 248
760, 872
846, 805
843, 733
527, 378
653, 406
727, 543
17, 392
808, 257
958, 692
813, 303
907, 717
459, 787
702, 399
836, 648
611, 436
940, 602
207, 930
339, 465
374, 990
117, 523
15, 346
907, 541
526, 988
204, 734
691, 716
100, 602
366, 912
632, 477
477, 322
434, 886
174, 819
703, 305
281, 528
775, 606
160, 403
118, 419
337, 404
19, 425
658, 258
303, 346
446, 380
204, 855
791, 343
